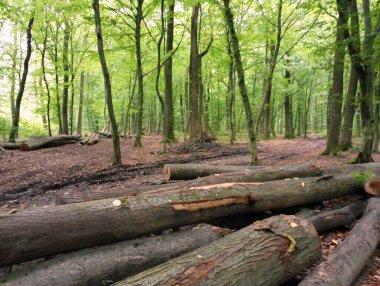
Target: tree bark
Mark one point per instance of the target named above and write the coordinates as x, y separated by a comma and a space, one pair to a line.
80, 108
242, 258
242, 86
343, 266
106, 264
39, 232
107, 86
16, 116
288, 106
349, 112
193, 171
335, 96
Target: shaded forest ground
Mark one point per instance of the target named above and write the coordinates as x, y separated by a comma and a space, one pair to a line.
34, 178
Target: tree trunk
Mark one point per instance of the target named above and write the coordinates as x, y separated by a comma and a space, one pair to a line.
349, 112
335, 97
168, 74
140, 94
242, 258
57, 78
344, 216
242, 86
66, 71
193, 171
13, 71
80, 108
107, 86
195, 113
344, 264
289, 131
16, 117
106, 264
39, 232
49, 141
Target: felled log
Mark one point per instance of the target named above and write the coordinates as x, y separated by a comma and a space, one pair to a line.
331, 219
48, 141
354, 168
193, 171
268, 252
89, 140
267, 174
40, 232
373, 187
106, 264
343, 265
11, 146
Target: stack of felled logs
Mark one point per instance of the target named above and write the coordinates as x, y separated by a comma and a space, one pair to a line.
151, 235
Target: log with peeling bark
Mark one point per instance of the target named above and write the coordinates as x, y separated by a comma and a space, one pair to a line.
343, 216
267, 174
193, 171
49, 141
40, 232
106, 264
344, 265
268, 252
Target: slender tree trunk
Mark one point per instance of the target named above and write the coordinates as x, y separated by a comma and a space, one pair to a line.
57, 79
13, 71
195, 115
15, 122
288, 106
242, 86
107, 85
72, 84
231, 90
349, 112
168, 74
335, 97
80, 107
377, 117
140, 97
65, 93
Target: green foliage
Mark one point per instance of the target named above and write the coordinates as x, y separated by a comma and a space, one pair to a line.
362, 177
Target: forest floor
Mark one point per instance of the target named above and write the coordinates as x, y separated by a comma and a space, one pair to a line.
34, 178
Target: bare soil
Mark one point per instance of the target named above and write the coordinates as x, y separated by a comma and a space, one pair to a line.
34, 178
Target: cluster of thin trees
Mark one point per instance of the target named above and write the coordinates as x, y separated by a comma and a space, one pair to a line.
156, 27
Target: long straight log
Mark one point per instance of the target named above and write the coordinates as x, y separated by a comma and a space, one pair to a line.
40, 232
46, 141
331, 219
106, 264
267, 174
11, 146
268, 252
193, 171
353, 168
343, 266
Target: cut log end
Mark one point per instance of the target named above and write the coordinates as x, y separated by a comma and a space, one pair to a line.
24, 147
166, 172
373, 187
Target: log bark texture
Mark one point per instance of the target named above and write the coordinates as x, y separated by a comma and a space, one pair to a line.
48, 141
193, 171
368, 167
268, 252
41, 232
267, 174
106, 264
343, 266
331, 219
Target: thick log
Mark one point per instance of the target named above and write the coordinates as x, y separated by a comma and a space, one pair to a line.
344, 216
11, 146
343, 266
193, 171
373, 187
268, 252
267, 174
40, 232
106, 264
48, 141
354, 168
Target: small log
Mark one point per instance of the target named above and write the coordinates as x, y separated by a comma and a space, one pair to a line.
106, 264
47, 141
40, 232
373, 187
331, 219
268, 252
344, 265
193, 171
267, 174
